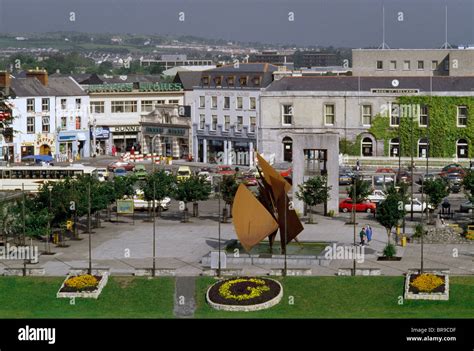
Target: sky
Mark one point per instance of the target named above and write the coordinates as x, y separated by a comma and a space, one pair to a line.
340, 23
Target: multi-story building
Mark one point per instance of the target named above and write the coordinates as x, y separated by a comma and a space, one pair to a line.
225, 112
169, 61
50, 117
274, 57
413, 62
310, 59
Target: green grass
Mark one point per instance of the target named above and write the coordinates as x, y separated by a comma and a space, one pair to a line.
351, 297
34, 297
301, 248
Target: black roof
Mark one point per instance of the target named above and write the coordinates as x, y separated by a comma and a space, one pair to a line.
188, 79
345, 83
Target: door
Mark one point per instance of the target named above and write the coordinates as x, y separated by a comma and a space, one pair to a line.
45, 149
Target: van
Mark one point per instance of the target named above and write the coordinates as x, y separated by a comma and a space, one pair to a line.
184, 172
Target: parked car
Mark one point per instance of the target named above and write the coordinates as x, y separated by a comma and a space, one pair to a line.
345, 179
377, 196
466, 207
364, 206
128, 166
427, 176
287, 173
183, 173
140, 204
383, 179
404, 177
104, 172
206, 169
346, 170
451, 165
140, 171
453, 170
120, 172
417, 206
253, 171
206, 175
385, 170
249, 180
225, 170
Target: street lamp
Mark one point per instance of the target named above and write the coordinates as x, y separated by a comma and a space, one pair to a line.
50, 188
154, 202
89, 225
354, 184
219, 225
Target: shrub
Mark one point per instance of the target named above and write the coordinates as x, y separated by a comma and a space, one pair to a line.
390, 250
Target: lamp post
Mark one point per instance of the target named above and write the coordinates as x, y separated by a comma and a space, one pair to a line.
154, 202
89, 224
219, 226
356, 175
50, 188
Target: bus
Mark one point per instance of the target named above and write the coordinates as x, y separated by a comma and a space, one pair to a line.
32, 177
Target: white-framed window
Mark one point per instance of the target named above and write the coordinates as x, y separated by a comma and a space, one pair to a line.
214, 122
394, 115
202, 101
434, 65
366, 115
252, 103
379, 65
406, 65
462, 148
253, 124
226, 102
78, 104
45, 104
423, 118
393, 65
240, 102
226, 122
30, 105
421, 64
329, 114
30, 125
147, 105
202, 121
240, 123
124, 106
78, 122
97, 107
45, 124
286, 115
367, 147
214, 101
423, 147
462, 116
394, 146
63, 104
173, 102
161, 102
63, 123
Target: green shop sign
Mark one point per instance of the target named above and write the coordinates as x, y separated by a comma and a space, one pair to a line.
111, 88
166, 131
160, 86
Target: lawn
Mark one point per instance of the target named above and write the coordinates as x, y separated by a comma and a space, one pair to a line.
122, 297
351, 297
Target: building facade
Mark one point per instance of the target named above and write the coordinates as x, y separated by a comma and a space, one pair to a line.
225, 112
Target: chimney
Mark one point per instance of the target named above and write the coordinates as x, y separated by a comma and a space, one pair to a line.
40, 74
5, 82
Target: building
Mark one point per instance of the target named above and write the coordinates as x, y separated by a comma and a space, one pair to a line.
50, 117
225, 112
310, 59
413, 62
169, 61
275, 57
373, 116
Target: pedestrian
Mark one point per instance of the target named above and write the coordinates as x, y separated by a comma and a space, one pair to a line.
357, 165
114, 150
368, 233
362, 236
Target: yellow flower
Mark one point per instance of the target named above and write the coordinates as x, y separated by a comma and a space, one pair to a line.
253, 291
82, 282
427, 282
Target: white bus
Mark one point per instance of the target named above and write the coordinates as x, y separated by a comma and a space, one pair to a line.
32, 177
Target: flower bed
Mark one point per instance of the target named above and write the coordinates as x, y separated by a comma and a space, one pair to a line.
427, 286
244, 294
82, 285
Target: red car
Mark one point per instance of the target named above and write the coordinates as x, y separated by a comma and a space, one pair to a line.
249, 180
365, 206
128, 166
384, 170
225, 170
287, 173
453, 170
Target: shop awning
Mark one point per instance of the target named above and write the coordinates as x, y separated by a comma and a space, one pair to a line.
81, 136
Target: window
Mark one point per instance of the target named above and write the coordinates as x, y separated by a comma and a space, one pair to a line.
63, 104
406, 65
45, 104
422, 147
78, 122
434, 65
287, 149
287, 114
226, 102
366, 115
173, 102
45, 126
462, 148
63, 123
202, 101
253, 124
78, 104
30, 125
226, 122
240, 103
240, 122
97, 107
379, 64
214, 102
160, 102
205, 80
124, 106
257, 80
214, 122
423, 120
394, 147
30, 105
462, 116
231, 81
421, 64
147, 105
393, 65
253, 103
243, 81
395, 115
202, 121
218, 81
367, 147
329, 114
446, 65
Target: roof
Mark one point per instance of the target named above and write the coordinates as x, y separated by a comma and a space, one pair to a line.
188, 79
131, 78
256, 67
57, 86
344, 83
64, 86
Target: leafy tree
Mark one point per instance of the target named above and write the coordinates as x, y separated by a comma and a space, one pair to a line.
362, 189
313, 192
198, 190
228, 189
436, 190
468, 183
389, 212
157, 186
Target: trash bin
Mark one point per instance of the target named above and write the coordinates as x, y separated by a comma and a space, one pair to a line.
404, 240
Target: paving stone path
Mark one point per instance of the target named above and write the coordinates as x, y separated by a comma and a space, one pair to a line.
184, 297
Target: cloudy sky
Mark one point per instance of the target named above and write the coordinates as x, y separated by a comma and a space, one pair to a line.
349, 23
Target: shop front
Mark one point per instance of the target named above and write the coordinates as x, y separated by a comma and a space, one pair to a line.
169, 141
73, 145
45, 144
27, 149
101, 137
125, 137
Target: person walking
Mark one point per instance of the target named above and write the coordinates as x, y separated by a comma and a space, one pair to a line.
368, 233
362, 236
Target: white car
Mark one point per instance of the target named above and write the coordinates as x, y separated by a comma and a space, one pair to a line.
206, 175
140, 204
377, 196
417, 206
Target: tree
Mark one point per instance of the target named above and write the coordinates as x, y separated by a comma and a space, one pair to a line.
228, 189
199, 190
389, 212
313, 192
157, 186
362, 189
468, 183
436, 190
183, 191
